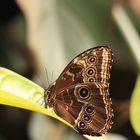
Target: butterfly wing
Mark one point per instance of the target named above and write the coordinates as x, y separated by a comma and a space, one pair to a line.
82, 87
87, 107
93, 65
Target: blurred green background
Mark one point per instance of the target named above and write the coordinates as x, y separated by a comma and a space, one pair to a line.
37, 35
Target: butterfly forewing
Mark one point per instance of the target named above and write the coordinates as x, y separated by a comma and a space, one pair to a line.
80, 94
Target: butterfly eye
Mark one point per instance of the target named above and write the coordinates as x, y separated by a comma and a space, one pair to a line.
91, 80
83, 92
92, 59
90, 71
90, 109
81, 125
86, 117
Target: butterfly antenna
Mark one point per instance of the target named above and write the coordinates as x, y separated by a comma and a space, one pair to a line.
52, 77
40, 80
47, 77
40, 101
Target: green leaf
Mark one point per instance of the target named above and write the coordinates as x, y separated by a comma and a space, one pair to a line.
135, 107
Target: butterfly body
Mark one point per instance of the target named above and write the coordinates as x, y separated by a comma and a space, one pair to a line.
80, 94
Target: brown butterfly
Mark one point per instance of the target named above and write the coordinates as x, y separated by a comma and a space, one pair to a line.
80, 95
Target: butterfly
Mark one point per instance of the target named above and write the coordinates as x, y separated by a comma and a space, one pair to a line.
80, 94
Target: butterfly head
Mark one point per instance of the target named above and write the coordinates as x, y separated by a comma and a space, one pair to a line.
47, 95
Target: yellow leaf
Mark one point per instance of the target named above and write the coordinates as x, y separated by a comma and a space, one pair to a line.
103, 137
20, 86
135, 107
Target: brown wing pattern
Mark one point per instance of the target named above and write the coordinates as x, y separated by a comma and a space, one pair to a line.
80, 94
92, 65
95, 116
